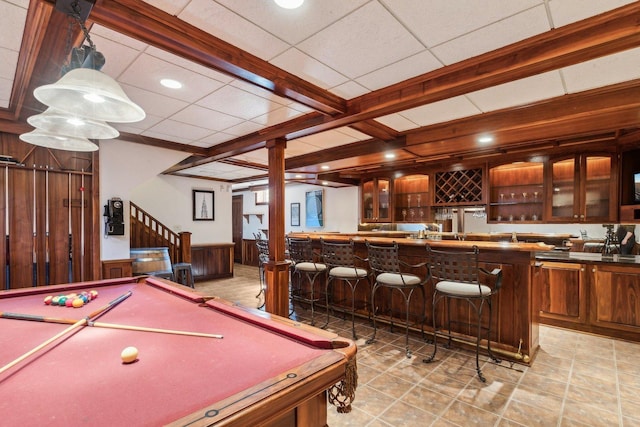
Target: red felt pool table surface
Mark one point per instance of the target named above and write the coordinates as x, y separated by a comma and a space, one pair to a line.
260, 371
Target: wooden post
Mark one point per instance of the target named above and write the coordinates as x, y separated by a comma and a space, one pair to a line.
185, 246
277, 269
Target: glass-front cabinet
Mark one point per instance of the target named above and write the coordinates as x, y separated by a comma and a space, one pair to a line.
411, 195
583, 188
516, 192
376, 200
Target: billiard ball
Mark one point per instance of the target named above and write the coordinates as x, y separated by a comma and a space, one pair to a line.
129, 355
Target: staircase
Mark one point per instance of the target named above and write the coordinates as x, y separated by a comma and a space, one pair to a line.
148, 232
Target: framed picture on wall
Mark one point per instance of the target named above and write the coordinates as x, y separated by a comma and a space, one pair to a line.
295, 214
203, 206
313, 208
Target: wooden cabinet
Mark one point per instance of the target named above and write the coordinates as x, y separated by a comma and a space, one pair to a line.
411, 195
582, 188
560, 291
212, 261
615, 297
376, 200
516, 192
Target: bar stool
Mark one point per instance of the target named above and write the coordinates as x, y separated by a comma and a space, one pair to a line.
183, 274
303, 263
340, 260
387, 268
457, 276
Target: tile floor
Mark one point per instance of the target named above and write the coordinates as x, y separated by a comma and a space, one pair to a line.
576, 379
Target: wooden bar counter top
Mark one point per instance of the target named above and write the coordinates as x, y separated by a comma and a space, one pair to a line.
515, 333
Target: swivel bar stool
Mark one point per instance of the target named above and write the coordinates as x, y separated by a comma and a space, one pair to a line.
457, 276
340, 260
303, 264
388, 270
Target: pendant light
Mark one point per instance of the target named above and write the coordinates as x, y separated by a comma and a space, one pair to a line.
83, 99
58, 142
59, 122
85, 92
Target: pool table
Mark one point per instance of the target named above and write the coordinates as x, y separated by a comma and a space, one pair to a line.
265, 370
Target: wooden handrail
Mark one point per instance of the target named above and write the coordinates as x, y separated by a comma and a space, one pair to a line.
148, 232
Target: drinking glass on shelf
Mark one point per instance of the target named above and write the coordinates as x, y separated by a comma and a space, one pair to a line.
524, 197
513, 196
535, 195
534, 217
501, 198
418, 199
523, 217
404, 214
499, 218
510, 217
409, 201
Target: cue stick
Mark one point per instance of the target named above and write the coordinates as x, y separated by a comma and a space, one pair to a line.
32, 317
34, 250
46, 246
76, 325
7, 260
82, 226
70, 235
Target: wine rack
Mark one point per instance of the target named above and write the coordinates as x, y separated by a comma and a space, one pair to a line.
458, 187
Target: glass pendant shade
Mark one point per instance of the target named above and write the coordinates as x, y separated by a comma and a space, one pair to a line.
58, 142
58, 122
89, 93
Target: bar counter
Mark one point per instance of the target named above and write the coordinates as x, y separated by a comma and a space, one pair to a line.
514, 331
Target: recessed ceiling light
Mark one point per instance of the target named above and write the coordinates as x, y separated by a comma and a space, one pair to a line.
484, 139
171, 84
289, 4
324, 167
389, 156
298, 176
325, 183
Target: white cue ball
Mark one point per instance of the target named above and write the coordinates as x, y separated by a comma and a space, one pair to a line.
129, 355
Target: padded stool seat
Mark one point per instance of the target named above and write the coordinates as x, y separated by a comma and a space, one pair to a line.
305, 266
183, 274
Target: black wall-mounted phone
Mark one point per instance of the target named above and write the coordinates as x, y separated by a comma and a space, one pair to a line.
114, 217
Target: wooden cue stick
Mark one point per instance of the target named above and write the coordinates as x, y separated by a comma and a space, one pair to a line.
76, 325
20, 316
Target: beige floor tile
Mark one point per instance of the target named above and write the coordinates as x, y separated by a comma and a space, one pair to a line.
444, 384
630, 410
603, 384
530, 415
391, 385
355, 418
371, 400
428, 400
463, 414
538, 398
401, 414
597, 399
533, 382
590, 415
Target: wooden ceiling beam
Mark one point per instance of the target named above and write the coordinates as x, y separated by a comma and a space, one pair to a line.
143, 22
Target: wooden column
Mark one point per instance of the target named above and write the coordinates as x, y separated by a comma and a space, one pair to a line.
277, 269
185, 246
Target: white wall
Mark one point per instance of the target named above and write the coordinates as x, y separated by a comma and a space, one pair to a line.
133, 172
340, 210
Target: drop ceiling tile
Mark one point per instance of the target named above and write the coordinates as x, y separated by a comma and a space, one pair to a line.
519, 27
239, 103
12, 19
276, 116
244, 128
5, 92
353, 133
22, 3
8, 61
349, 90
199, 116
172, 7
153, 103
412, 66
293, 25
308, 68
183, 63
603, 71
260, 156
441, 111
166, 137
219, 21
397, 122
149, 121
147, 71
328, 139
98, 30
436, 21
567, 11
182, 130
298, 147
216, 138
355, 45
118, 57
263, 93
519, 92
